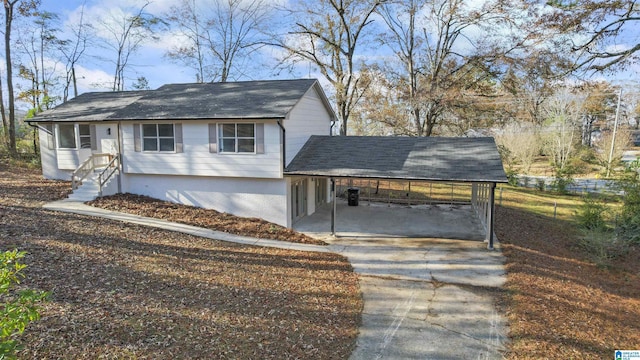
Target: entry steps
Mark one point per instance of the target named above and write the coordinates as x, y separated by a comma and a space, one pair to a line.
90, 188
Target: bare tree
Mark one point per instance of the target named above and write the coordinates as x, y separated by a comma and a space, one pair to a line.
603, 147
531, 80
523, 142
37, 42
220, 36
404, 40
440, 60
563, 118
24, 8
72, 50
191, 28
604, 26
600, 104
126, 34
326, 33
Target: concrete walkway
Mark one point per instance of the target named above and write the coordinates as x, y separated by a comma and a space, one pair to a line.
424, 297
80, 208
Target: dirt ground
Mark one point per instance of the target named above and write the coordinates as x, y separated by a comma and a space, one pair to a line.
127, 291
560, 306
206, 218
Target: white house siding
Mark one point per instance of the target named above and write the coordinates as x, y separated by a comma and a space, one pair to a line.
263, 198
308, 117
196, 160
49, 158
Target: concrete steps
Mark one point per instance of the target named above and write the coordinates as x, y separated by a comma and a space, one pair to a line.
90, 189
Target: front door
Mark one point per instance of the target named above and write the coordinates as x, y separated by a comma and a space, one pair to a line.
298, 199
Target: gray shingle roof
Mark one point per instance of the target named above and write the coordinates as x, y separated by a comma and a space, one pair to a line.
267, 99
407, 158
95, 106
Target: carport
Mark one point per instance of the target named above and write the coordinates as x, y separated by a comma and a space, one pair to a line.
474, 161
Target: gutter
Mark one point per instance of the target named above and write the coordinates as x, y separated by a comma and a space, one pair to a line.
40, 127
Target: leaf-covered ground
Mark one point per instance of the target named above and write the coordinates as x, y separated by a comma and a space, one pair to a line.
127, 291
558, 305
206, 218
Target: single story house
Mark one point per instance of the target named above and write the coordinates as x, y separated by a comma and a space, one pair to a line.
214, 145
254, 148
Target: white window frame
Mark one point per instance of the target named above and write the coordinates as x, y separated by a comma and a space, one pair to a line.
236, 138
158, 138
84, 140
75, 137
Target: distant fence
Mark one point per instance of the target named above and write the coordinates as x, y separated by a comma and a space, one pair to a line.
407, 192
576, 186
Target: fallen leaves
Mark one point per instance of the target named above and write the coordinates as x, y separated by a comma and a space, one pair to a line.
559, 305
206, 218
128, 291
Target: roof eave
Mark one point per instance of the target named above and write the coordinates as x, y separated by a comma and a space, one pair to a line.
381, 177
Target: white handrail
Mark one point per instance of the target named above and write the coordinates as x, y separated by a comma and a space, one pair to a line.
110, 169
86, 168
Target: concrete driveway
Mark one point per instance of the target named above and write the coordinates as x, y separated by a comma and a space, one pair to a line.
427, 280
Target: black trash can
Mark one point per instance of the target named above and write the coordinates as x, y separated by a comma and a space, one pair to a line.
353, 195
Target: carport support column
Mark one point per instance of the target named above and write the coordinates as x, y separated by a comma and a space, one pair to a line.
492, 208
333, 207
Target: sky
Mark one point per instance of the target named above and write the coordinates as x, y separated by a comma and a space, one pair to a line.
95, 74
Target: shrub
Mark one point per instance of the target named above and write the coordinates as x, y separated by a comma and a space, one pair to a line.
512, 177
591, 214
17, 308
628, 222
562, 180
603, 246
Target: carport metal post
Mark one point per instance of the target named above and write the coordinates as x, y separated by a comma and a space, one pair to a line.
333, 207
492, 208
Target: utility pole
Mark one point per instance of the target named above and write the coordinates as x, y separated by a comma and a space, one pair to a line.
615, 128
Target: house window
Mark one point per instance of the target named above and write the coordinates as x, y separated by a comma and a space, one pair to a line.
158, 137
67, 136
85, 136
237, 138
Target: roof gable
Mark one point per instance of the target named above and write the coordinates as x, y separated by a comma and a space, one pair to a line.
269, 99
406, 158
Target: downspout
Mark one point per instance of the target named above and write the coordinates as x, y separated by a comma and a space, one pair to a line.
333, 123
284, 145
120, 157
39, 127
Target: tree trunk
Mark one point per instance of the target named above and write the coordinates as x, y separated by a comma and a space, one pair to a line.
75, 83
8, 11
35, 141
5, 123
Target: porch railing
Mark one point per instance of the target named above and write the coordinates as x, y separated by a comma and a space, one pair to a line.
106, 174
88, 166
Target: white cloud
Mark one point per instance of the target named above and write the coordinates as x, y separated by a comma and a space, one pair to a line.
93, 79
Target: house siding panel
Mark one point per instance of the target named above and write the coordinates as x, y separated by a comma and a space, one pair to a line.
70, 159
197, 160
308, 117
264, 198
49, 159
